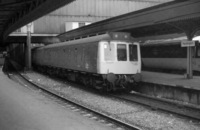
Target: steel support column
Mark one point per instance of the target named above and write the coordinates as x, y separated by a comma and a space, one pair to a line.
189, 63
28, 48
189, 74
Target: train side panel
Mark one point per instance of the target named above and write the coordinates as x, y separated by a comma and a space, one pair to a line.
163, 63
196, 64
80, 57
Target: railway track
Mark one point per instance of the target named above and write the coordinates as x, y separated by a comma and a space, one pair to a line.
185, 110
175, 107
181, 109
23, 79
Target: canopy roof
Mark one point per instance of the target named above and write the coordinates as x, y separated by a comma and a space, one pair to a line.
17, 13
169, 18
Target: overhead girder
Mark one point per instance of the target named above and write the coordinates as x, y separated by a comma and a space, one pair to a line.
32, 9
189, 26
30, 5
34, 39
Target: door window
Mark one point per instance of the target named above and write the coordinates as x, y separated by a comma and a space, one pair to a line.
133, 53
121, 52
198, 51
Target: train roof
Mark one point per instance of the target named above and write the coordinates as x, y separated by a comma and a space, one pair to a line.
164, 42
106, 36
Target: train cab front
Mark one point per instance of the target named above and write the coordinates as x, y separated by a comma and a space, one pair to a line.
120, 63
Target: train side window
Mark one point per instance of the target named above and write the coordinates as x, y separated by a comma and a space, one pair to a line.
133, 52
198, 51
121, 52
155, 52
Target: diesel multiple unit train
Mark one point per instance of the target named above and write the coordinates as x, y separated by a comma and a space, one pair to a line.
109, 61
169, 56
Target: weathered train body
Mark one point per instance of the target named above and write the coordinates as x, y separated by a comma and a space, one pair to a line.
109, 61
169, 55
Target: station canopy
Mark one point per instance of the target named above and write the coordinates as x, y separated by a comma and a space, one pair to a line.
17, 13
174, 19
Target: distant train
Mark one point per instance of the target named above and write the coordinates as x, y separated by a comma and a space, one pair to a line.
169, 56
109, 61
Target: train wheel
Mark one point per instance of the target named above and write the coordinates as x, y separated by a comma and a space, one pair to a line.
87, 82
109, 87
83, 81
129, 87
93, 83
90, 82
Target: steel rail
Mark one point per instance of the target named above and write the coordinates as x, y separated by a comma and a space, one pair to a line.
175, 107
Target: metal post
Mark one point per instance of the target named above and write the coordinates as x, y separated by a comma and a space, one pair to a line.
189, 63
28, 48
189, 58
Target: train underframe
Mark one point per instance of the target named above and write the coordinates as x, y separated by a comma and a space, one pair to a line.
106, 82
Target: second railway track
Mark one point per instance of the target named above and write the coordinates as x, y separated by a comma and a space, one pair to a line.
181, 109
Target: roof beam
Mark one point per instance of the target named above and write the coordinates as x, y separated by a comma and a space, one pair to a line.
15, 3
33, 10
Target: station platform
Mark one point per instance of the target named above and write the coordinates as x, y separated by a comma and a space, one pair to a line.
171, 86
171, 80
24, 109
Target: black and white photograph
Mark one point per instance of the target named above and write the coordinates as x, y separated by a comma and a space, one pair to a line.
99, 65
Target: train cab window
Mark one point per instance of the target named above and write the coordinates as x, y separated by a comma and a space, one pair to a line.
133, 52
109, 51
121, 52
198, 51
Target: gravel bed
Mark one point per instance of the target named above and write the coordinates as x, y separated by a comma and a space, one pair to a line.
132, 113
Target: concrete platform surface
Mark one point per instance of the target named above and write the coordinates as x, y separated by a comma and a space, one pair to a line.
25, 109
171, 80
